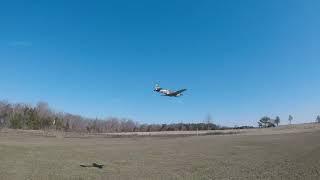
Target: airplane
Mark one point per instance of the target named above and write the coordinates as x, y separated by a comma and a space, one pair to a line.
167, 92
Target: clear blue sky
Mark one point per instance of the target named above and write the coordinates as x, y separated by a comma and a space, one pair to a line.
240, 60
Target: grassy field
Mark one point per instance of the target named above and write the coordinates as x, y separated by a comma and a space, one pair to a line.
288, 152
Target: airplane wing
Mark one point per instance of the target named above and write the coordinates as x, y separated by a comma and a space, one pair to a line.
178, 92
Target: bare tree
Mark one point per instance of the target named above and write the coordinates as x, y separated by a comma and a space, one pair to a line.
127, 125
116, 127
45, 114
5, 110
290, 119
208, 121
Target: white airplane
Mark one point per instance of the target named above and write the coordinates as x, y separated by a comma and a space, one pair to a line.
167, 92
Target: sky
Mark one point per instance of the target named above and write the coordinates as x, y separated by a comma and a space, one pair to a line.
239, 60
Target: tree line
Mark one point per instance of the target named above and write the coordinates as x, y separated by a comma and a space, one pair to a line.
41, 116
266, 121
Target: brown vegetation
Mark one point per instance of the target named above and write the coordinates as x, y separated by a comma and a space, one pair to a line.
285, 152
42, 117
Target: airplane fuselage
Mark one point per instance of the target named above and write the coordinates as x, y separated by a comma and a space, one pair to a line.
167, 92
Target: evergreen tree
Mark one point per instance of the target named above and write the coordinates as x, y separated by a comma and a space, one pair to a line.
277, 120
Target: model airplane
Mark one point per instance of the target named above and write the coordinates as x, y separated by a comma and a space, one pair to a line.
167, 92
